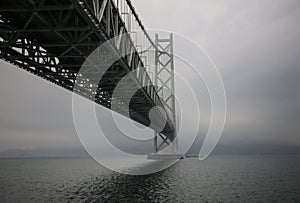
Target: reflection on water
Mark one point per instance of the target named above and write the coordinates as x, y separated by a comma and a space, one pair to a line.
118, 187
218, 179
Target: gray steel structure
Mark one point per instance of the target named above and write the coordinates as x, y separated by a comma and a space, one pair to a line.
165, 86
53, 38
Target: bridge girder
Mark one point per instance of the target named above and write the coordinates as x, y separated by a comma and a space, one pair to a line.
53, 38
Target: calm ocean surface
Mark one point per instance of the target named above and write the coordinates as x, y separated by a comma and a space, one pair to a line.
218, 179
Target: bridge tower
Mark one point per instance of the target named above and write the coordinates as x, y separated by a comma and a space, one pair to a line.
165, 86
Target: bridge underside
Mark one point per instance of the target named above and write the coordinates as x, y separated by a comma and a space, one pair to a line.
53, 38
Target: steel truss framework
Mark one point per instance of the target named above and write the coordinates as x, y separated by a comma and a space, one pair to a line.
53, 38
165, 86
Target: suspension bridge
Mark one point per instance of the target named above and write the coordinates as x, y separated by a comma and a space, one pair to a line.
53, 38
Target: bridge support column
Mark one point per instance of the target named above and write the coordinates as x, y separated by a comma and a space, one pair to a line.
165, 87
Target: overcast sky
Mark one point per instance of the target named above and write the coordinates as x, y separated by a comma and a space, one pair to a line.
255, 44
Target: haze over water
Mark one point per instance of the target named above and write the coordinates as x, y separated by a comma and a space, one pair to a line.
255, 45
218, 179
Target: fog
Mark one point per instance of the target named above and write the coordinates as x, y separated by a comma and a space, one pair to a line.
255, 45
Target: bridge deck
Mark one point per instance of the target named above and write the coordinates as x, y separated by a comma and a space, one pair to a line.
53, 38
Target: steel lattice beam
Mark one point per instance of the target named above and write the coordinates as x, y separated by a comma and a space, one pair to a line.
53, 38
